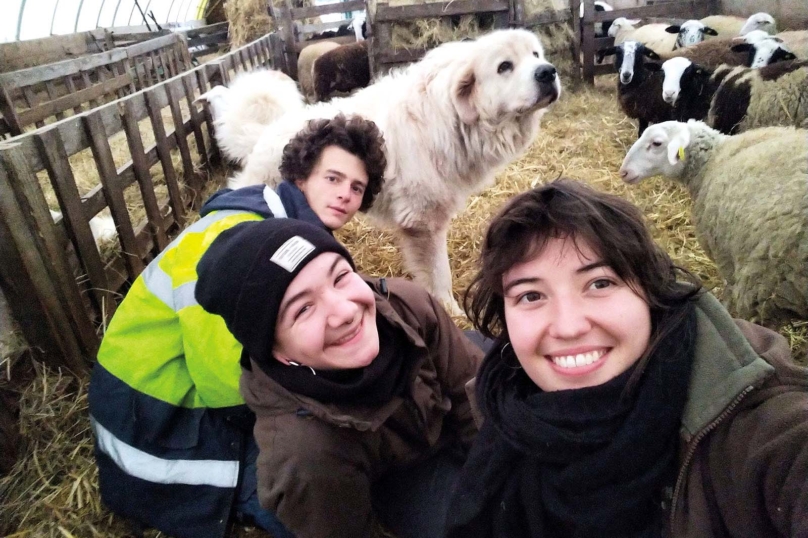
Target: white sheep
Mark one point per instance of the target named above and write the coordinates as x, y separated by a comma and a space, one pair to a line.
750, 208
305, 66
601, 28
796, 41
102, 227
249, 122
659, 37
729, 26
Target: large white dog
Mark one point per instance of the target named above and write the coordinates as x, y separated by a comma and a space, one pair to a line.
449, 121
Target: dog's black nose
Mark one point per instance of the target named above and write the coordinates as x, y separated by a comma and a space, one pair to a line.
545, 73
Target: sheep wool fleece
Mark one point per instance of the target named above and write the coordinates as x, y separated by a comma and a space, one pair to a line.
318, 461
169, 422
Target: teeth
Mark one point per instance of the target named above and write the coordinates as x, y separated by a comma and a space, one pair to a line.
582, 359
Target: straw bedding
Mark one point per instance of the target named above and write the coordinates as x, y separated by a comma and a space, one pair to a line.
52, 491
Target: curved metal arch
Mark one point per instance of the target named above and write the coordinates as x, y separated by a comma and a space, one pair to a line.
53, 17
100, 11
115, 13
78, 14
19, 20
179, 10
170, 7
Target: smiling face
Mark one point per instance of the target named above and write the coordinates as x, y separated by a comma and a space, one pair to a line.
572, 322
335, 187
327, 319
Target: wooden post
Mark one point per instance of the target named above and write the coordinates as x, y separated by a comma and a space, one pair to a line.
588, 30
576, 28
289, 31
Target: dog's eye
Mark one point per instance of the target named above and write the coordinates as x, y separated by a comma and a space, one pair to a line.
504, 66
536, 54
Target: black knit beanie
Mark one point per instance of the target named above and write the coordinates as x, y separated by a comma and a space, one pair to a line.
244, 274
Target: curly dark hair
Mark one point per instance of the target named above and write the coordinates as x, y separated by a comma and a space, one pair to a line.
613, 227
355, 135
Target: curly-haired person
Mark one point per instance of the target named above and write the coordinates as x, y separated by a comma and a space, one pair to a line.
174, 443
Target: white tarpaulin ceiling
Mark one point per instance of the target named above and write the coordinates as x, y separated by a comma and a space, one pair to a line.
31, 19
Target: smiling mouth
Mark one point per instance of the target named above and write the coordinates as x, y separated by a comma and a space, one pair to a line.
339, 210
577, 361
350, 336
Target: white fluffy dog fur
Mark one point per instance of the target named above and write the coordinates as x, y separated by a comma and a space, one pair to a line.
450, 122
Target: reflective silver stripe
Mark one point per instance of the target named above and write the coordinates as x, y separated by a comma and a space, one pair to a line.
135, 462
274, 202
159, 283
185, 296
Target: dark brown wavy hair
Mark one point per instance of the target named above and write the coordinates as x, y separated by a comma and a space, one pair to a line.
355, 135
614, 228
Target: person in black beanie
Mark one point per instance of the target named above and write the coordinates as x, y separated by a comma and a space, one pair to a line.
358, 384
620, 400
166, 380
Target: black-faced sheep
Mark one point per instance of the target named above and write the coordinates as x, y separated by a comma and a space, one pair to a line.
305, 63
736, 99
601, 28
639, 90
729, 26
750, 208
341, 70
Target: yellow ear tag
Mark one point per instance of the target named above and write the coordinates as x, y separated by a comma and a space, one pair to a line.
681, 153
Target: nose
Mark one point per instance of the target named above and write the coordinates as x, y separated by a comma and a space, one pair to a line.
570, 319
545, 73
625, 78
341, 310
669, 96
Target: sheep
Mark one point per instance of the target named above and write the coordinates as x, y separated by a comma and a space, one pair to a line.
639, 90
751, 50
249, 87
601, 28
750, 208
658, 36
342, 69
796, 41
728, 26
735, 99
305, 66
101, 226
355, 26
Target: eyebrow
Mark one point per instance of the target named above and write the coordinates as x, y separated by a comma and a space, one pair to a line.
306, 291
335, 172
531, 280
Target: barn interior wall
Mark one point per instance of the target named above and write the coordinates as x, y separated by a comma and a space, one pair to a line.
789, 14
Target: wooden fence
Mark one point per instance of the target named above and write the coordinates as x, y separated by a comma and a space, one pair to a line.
30, 96
295, 34
59, 288
585, 28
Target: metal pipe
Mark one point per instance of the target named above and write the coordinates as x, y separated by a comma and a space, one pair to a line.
53, 18
19, 21
78, 13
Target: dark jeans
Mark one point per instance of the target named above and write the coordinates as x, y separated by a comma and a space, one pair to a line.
413, 502
410, 502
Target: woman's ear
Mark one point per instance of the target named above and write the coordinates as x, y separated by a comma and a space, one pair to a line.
463, 93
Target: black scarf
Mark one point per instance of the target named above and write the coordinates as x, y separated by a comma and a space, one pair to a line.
377, 383
579, 463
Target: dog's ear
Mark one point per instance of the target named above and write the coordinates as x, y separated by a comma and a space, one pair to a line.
463, 91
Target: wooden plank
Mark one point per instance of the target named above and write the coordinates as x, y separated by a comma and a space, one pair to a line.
387, 13
151, 45
141, 168
588, 43
76, 221
196, 119
668, 9
548, 17
163, 151
174, 88
87, 83
50, 88
395, 56
337, 7
576, 27
32, 226
289, 35
72, 100
9, 112
322, 26
34, 75
113, 191
32, 101
214, 155
212, 39
71, 88
207, 30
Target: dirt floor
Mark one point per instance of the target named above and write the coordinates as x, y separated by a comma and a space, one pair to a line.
52, 491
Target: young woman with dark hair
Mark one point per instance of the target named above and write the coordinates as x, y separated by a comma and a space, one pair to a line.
619, 398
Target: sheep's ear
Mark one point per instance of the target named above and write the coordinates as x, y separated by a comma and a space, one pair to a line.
673, 29
709, 31
741, 47
463, 95
788, 56
634, 21
678, 144
602, 53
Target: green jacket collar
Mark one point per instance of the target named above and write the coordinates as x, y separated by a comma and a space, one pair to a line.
724, 365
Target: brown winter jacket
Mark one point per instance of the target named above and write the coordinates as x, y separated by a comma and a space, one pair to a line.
317, 461
744, 459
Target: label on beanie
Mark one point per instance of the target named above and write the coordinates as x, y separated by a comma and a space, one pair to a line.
292, 253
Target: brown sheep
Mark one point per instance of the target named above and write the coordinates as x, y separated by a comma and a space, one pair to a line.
341, 70
305, 63
730, 51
